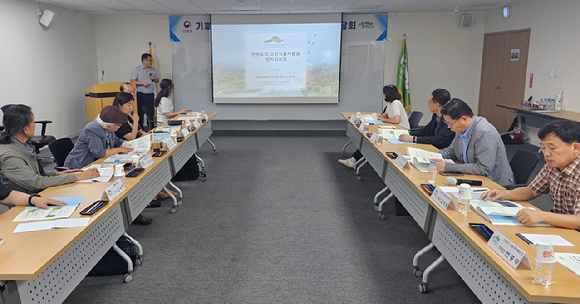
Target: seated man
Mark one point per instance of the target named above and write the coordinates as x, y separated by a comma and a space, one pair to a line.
560, 176
97, 139
477, 144
436, 132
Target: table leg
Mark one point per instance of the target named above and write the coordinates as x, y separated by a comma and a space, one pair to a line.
344, 148
213, 146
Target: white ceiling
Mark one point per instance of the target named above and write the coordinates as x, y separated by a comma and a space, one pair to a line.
204, 7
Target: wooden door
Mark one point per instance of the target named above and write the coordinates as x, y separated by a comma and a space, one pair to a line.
503, 80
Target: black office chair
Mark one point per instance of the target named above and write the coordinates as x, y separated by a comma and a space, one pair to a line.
522, 164
60, 149
414, 119
37, 141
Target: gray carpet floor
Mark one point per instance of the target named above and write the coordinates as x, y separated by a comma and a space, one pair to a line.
278, 220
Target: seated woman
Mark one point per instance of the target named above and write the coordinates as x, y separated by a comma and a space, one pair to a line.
164, 104
98, 139
17, 198
393, 113
19, 164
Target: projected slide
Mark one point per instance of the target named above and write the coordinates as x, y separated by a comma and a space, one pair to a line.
276, 63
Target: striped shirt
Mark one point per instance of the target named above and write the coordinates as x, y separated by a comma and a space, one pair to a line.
564, 186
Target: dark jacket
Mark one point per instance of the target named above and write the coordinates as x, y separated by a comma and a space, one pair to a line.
435, 133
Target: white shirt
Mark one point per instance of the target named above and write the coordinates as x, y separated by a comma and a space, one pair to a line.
396, 108
165, 106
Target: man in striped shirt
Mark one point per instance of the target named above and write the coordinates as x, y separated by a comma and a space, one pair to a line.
560, 143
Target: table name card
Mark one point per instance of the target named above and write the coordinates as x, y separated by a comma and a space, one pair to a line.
184, 132
352, 118
401, 161
205, 117
362, 126
113, 190
196, 124
442, 198
374, 137
146, 161
170, 143
508, 251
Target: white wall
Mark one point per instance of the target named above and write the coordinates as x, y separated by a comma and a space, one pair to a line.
441, 55
48, 69
120, 41
554, 45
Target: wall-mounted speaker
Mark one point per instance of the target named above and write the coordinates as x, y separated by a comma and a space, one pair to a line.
46, 17
466, 20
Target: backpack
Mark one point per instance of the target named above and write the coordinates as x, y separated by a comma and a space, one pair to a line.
189, 171
112, 263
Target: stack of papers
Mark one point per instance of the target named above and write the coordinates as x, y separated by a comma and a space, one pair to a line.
570, 261
421, 158
53, 212
553, 239
39, 226
141, 145
105, 173
167, 129
392, 136
499, 213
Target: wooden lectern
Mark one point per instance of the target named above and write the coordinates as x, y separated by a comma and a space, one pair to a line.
99, 96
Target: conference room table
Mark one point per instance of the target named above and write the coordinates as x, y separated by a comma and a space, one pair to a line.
490, 278
46, 266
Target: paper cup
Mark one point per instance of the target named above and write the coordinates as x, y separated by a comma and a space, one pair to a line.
465, 191
545, 253
135, 159
119, 170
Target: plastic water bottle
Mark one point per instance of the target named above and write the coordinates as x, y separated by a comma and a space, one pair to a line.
432, 173
357, 120
545, 263
119, 172
464, 198
202, 112
366, 125
559, 99
379, 141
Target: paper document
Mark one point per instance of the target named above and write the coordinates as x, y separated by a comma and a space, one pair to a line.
123, 158
421, 158
140, 145
160, 136
375, 121
39, 226
499, 213
53, 212
553, 239
105, 173
393, 133
167, 129
570, 261
395, 141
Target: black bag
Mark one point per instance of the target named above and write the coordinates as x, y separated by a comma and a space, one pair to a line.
189, 171
112, 263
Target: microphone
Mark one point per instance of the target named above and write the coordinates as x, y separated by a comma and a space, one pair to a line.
452, 181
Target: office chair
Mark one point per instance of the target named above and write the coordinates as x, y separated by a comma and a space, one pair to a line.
522, 164
37, 141
60, 149
414, 119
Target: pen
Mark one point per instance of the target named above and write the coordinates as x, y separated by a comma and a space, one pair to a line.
486, 231
479, 190
96, 207
525, 239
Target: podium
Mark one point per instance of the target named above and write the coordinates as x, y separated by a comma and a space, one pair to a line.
99, 96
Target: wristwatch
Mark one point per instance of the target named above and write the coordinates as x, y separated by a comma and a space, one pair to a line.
30, 199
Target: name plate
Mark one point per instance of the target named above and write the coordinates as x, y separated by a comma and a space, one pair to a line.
170, 143
352, 118
205, 117
374, 137
362, 125
184, 132
401, 161
508, 251
146, 161
196, 124
113, 190
442, 198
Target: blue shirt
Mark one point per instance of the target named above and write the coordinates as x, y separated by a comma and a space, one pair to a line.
464, 137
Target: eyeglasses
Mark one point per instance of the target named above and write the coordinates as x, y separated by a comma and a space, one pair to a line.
450, 124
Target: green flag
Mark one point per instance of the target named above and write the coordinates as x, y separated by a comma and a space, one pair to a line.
403, 76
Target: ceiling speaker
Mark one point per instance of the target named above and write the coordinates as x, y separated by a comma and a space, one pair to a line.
466, 20
46, 17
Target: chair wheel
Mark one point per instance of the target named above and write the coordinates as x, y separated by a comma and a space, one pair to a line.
128, 278
344, 154
382, 216
423, 288
214, 152
179, 202
418, 273
376, 207
358, 178
173, 210
139, 262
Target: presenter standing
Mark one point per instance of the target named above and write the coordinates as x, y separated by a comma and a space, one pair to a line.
144, 76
